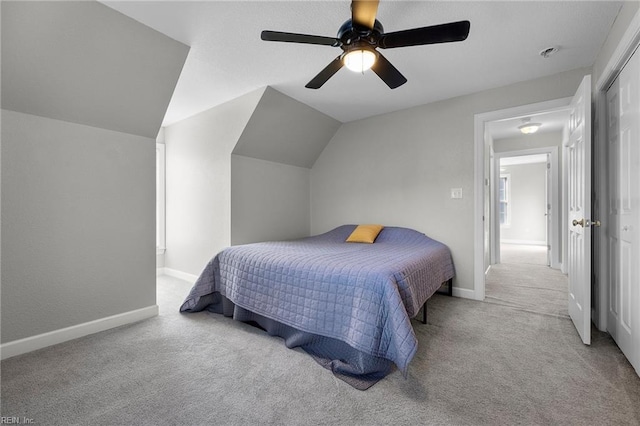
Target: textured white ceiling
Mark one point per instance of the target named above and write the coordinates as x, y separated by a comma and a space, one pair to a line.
228, 59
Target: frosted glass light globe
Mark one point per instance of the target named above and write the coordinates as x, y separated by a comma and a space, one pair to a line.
359, 60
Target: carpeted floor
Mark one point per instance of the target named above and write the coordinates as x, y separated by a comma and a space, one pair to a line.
523, 281
477, 364
522, 253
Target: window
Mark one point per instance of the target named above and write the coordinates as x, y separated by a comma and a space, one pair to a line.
503, 198
160, 166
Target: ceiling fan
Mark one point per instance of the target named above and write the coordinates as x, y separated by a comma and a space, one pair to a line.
362, 34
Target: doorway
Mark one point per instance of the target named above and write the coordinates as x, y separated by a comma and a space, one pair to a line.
576, 195
525, 184
526, 220
499, 125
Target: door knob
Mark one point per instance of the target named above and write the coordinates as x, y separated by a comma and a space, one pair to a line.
578, 222
596, 223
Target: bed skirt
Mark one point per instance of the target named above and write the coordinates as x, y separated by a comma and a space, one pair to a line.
354, 367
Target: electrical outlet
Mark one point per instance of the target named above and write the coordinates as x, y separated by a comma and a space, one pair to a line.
456, 192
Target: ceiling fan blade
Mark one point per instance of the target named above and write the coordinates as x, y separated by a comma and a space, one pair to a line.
443, 33
325, 74
363, 12
388, 73
299, 38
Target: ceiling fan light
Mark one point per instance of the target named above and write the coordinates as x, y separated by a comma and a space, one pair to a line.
359, 60
529, 128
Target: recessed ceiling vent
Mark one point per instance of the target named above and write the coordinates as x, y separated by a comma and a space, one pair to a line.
545, 53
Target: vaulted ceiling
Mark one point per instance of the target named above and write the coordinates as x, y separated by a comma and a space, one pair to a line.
228, 59
84, 63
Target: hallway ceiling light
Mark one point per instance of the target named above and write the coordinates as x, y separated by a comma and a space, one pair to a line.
527, 127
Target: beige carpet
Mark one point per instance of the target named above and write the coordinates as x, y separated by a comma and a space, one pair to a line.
520, 253
532, 288
524, 281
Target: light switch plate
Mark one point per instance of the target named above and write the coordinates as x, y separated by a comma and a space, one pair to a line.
456, 192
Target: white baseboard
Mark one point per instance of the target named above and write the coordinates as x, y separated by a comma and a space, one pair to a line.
179, 274
28, 344
464, 293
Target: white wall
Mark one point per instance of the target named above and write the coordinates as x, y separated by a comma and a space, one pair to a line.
399, 168
78, 228
528, 223
198, 182
269, 201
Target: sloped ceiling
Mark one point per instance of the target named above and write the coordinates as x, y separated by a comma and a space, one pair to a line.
85, 63
285, 131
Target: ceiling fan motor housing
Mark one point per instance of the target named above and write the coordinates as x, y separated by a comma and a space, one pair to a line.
352, 36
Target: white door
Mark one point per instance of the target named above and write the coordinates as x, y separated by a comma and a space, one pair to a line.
578, 151
623, 126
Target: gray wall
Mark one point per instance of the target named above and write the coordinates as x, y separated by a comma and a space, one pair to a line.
398, 168
78, 187
261, 192
527, 202
78, 228
269, 201
198, 182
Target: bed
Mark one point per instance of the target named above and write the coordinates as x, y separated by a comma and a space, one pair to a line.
349, 305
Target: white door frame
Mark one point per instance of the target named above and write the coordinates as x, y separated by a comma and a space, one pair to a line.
628, 44
554, 187
480, 121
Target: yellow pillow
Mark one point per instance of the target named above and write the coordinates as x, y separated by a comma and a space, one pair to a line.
365, 234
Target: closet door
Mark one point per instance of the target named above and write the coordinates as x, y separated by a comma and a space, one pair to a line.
624, 225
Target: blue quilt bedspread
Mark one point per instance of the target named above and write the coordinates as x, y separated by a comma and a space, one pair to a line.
361, 294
